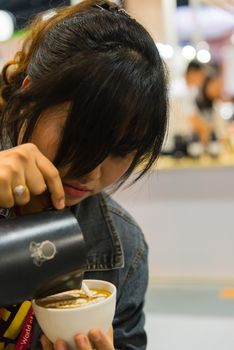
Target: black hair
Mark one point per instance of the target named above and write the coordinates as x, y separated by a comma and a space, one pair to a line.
194, 65
107, 65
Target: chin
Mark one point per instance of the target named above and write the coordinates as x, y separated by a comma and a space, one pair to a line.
73, 201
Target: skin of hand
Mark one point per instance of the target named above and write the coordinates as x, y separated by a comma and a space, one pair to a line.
95, 339
25, 165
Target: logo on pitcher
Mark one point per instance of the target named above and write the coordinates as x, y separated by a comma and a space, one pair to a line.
41, 252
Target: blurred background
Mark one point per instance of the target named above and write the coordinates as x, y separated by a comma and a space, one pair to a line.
185, 205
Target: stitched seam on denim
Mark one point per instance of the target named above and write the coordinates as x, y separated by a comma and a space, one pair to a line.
94, 264
123, 216
94, 257
94, 268
139, 254
113, 232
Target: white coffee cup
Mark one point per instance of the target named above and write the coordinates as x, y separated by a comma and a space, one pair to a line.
66, 323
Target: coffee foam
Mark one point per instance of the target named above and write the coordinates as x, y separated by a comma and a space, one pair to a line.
73, 299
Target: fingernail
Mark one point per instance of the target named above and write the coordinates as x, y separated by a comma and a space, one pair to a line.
44, 340
59, 345
81, 340
95, 335
61, 204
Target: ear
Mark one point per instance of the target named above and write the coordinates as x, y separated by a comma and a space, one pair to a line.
26, 82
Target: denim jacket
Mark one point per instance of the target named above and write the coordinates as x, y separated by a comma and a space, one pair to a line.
117, 252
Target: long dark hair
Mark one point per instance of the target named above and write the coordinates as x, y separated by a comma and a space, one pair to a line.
107, 65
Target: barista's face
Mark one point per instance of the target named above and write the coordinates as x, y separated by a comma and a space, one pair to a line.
46, 137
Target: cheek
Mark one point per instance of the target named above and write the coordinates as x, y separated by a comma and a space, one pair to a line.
114, 168
124, 166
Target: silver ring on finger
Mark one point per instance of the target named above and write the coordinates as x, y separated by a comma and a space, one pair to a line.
19, 190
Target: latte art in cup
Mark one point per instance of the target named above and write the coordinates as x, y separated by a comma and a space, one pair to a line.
73, 299
63, 315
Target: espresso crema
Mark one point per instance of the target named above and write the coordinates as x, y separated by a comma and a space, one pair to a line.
72, 299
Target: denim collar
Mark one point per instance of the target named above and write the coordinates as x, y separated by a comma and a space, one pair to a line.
104, 249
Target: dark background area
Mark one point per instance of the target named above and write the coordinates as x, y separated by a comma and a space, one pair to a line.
182, 2
24, 10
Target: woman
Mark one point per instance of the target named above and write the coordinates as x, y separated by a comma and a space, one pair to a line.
86, 103
209, 103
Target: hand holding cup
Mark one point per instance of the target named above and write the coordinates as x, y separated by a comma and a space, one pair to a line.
66, 323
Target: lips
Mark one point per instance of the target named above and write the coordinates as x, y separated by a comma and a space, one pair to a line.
75, 190
78, 186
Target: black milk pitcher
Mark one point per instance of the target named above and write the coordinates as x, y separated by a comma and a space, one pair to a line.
40, 254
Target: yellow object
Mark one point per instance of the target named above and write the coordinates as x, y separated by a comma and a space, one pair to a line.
8, 347
16, 325
11, 323
227, 293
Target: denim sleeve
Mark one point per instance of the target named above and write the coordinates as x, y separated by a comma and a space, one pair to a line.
129, 333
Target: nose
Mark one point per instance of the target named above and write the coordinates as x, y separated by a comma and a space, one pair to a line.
93, 175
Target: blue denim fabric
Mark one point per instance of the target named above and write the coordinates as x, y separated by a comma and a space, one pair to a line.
117, 252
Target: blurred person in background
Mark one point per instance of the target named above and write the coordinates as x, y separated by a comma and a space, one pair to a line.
208, 101
186, 121
195, 75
